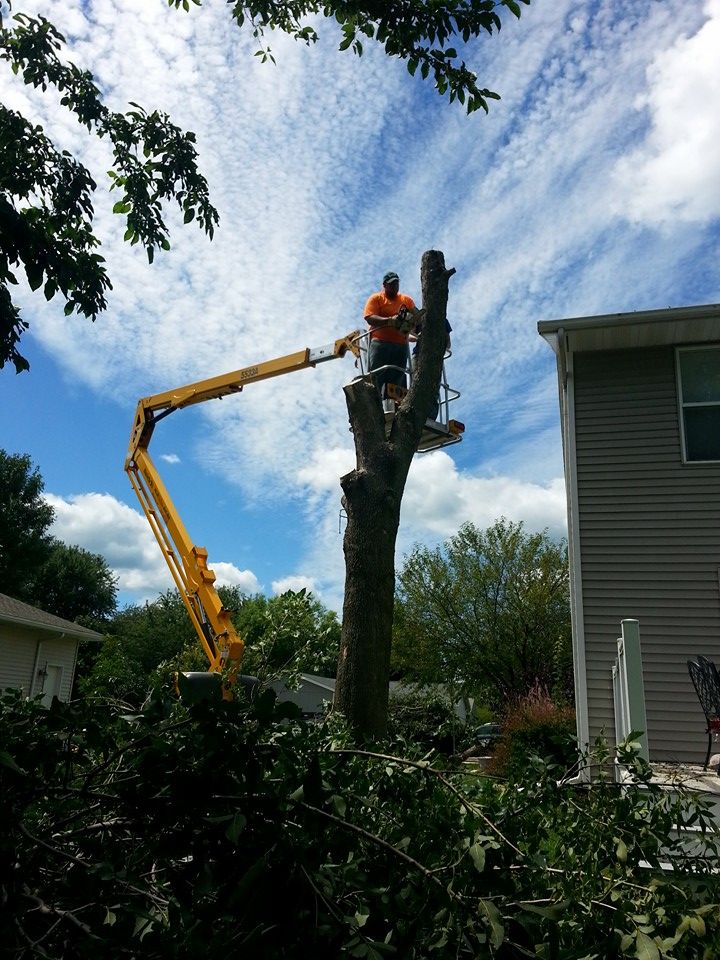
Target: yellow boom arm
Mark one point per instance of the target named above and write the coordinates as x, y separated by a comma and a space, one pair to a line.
188, 563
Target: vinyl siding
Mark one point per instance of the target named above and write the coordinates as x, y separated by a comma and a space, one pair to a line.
18, 647
17, 657
649, 540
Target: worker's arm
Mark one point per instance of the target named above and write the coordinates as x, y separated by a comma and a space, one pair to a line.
376, 321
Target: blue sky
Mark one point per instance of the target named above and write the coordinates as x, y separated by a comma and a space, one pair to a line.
592, 187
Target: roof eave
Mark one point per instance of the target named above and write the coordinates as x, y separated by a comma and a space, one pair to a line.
570, 324
81, 633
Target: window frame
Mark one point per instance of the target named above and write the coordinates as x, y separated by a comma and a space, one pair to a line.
690, 404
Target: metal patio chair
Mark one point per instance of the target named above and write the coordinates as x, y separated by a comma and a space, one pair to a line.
706, 680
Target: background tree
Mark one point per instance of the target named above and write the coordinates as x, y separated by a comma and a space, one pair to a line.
148, 642
46, 211
25, 519
35, 567
488, 612
139, 638
288, 633
75, 584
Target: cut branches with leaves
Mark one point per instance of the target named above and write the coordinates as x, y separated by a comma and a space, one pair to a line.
173, 832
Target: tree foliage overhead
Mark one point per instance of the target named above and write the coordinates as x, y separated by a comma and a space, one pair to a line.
46, 209
488, 612
234, 830
420, 33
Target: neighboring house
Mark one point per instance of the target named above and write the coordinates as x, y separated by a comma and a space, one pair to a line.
640, 411
315, 693
38, 651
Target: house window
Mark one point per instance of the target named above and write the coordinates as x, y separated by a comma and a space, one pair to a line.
699, 390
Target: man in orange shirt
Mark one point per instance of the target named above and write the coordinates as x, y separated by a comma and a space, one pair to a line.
389, 328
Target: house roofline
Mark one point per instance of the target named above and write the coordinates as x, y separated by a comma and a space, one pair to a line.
548, 327
71, 630
642, 328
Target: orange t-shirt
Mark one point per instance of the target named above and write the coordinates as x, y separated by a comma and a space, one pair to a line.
379, 305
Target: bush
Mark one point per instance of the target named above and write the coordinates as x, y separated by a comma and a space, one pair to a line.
535, 726
424, 720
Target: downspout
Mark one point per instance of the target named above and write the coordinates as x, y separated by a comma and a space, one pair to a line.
33, 675
567, 392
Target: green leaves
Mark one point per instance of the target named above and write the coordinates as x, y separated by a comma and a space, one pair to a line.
645, 948
477, 855
46, 211
621, 850
513, 6
422, 34
175, 832
488, 611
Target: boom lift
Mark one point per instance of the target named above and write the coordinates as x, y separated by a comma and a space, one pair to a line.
187, 562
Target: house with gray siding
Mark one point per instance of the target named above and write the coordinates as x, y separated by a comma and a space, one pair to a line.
640, 419
38, 651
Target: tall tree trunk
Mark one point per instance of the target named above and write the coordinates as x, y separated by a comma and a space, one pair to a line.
372, 496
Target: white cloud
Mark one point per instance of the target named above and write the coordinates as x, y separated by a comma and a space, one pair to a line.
675, 174
170, 457
322, 469
228, 575
296, 583
100, 523
439, 498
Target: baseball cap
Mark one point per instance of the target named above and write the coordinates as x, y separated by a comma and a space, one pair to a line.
390, 276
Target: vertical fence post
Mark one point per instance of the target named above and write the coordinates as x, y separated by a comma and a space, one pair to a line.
633, 688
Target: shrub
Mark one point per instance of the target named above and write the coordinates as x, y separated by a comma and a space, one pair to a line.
423, 719
535, 726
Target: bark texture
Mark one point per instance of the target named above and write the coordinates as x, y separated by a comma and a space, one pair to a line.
372, 496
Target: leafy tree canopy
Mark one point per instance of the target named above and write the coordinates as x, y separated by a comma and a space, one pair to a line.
149, 642
288, 633
420, 33
75, 584
46, 209
37, 568
488, 612
25, 518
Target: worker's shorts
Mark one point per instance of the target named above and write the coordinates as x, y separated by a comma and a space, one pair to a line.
391, 355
